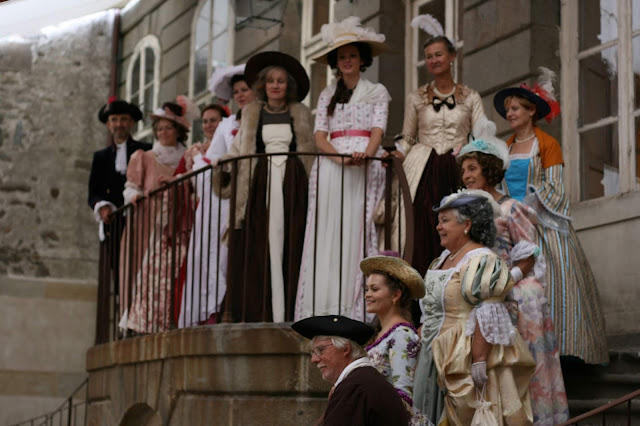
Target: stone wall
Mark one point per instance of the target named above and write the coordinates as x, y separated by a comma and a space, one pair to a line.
52, 86
227, 374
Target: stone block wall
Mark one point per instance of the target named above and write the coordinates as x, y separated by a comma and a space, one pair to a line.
52, 85
227, 374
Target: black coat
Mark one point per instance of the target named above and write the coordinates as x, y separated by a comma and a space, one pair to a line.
365, 398
105, 183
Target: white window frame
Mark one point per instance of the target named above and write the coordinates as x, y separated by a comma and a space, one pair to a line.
571, 130
414, 61
149, 41
312, 43
206, 96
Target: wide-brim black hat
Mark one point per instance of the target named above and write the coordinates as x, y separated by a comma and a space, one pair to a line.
334, 325
542, 107
119, 107
263, 60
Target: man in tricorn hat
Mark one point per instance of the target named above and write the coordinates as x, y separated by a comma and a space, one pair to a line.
109, 167
360, 394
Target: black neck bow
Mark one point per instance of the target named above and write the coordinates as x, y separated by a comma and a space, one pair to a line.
449, 101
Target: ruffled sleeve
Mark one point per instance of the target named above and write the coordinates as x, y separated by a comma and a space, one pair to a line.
485, 283
322, 118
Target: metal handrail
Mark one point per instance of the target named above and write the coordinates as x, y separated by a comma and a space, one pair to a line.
601, 410
58, 415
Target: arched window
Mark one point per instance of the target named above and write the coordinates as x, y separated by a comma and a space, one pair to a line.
143, 82
211, 43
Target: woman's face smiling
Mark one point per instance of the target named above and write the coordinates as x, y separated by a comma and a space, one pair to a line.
276, 85
378, 295
210, 120
451, 232
242, 94
349, 61
517, 115
472, 176
166, 132
438, 59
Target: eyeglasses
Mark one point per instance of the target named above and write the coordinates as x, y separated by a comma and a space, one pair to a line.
317, 351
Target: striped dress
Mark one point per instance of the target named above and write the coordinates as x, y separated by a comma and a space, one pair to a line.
571, 288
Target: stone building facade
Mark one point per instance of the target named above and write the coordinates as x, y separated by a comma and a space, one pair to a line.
56, 82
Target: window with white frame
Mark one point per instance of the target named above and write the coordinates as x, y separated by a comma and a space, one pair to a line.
315, 13
143, 82
446, 12
212, 47
601, 107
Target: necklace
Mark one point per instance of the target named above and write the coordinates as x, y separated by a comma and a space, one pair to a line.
528, 138
276, 108
443, 95
453, 256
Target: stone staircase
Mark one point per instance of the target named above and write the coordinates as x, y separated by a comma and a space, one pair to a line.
592, 386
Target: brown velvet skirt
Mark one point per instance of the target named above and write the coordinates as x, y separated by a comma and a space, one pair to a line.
440, 178
249, 273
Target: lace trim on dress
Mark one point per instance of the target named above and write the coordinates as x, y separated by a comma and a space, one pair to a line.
494, 321
130, 191
391, 330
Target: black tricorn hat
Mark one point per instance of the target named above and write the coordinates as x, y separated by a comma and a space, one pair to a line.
118, 106
262, 60
334, 325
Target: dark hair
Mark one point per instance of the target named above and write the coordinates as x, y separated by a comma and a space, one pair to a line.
182, 132
490, 164
342, 93
236, 78
440, 39
483, 228
394, 284
174, 108
217, 107
259, 87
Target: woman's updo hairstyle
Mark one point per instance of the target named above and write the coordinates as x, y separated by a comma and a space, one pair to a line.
483, 228
236, 78
342, 93
440, 39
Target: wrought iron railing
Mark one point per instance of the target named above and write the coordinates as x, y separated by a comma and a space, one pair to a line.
162, 265
73, 412
601, 412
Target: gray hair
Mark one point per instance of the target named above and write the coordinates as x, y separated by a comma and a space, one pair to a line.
357, 351
483, 228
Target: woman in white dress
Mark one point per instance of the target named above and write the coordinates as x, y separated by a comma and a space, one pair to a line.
351, 118
206, 274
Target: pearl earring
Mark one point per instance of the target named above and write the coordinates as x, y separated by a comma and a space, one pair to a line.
466, 232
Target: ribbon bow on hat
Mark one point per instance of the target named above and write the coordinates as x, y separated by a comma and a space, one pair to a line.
449, 101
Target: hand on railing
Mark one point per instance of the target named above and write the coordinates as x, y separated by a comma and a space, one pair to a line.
134, 199
395, 153
164, 180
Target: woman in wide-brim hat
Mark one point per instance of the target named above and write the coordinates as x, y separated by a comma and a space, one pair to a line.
534, 176
275, 123
391, 286
149, 309
351, 118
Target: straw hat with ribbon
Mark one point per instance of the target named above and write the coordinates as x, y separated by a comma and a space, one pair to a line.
346, 32
397, 268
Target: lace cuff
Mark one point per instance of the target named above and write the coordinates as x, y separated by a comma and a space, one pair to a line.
525, 249
494, 321
130, 191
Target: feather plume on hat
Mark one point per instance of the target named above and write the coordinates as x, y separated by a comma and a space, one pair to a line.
190, 110
331, 32
429, 24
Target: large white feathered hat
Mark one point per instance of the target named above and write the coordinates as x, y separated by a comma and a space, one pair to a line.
220, 81
346, 32
429, 24
484, 132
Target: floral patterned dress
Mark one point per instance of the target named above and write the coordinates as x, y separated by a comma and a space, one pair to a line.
395, 356
517, 240
335, 216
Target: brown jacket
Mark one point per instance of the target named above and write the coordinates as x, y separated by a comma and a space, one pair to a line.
245, 144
